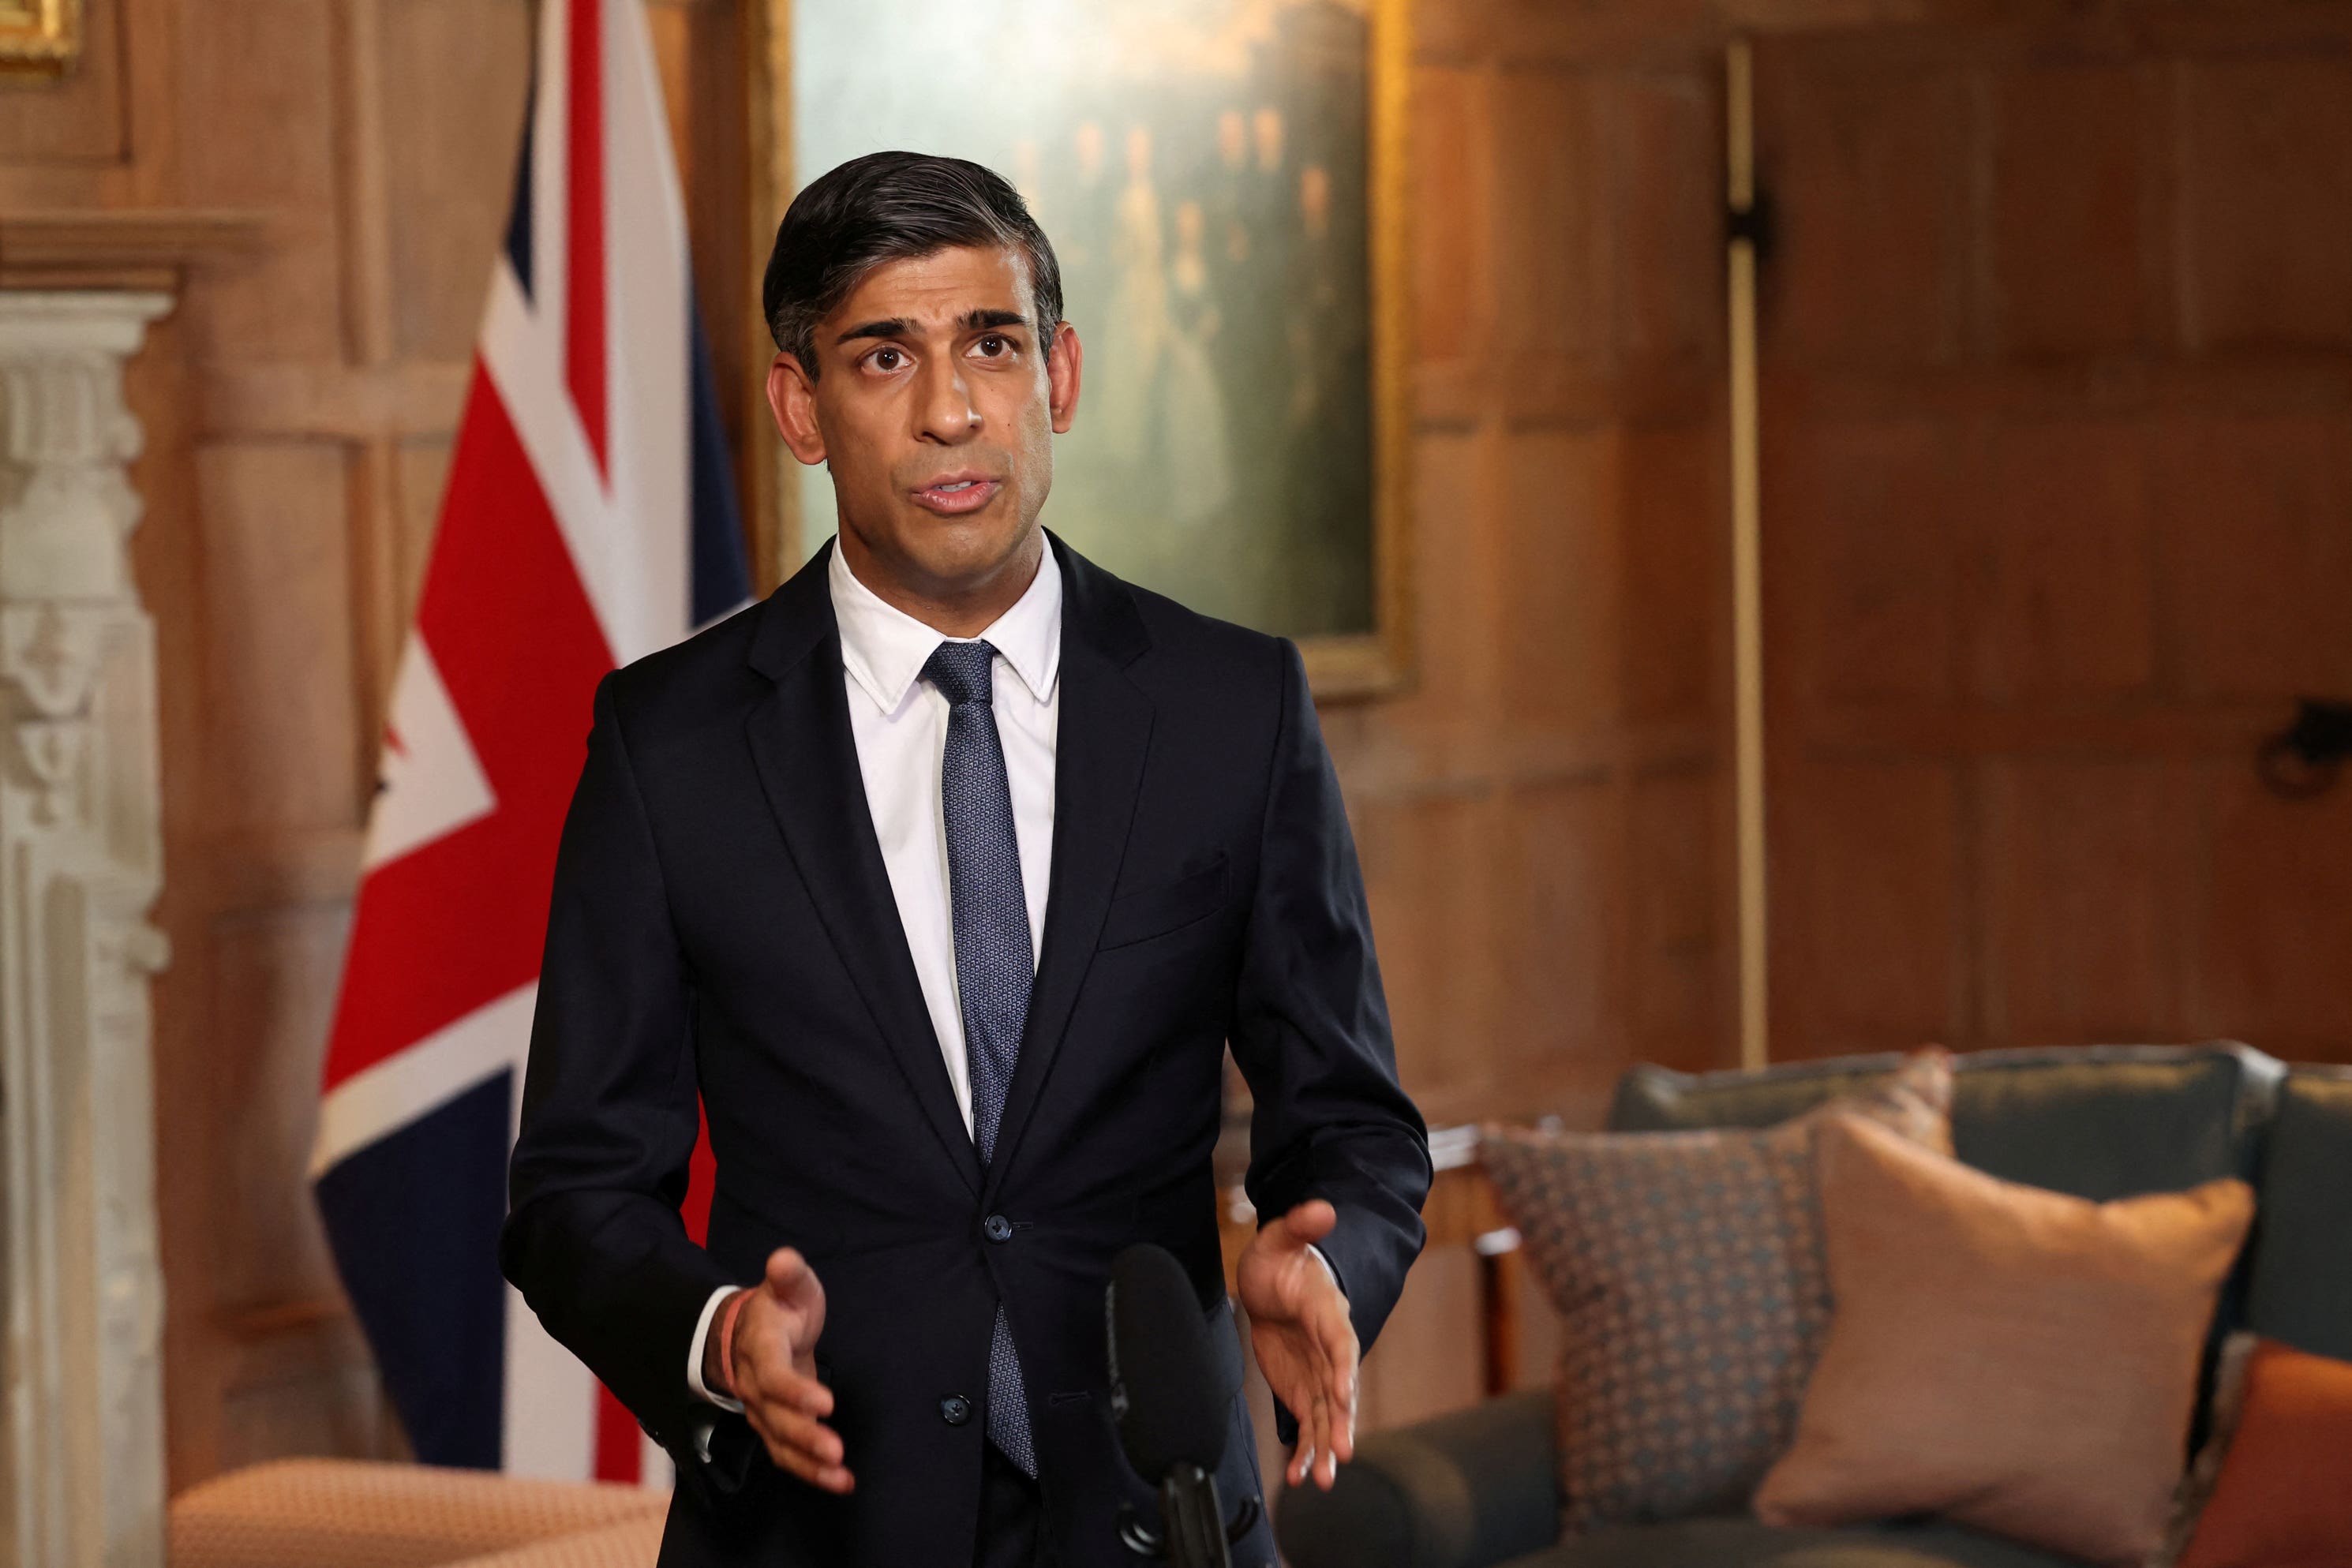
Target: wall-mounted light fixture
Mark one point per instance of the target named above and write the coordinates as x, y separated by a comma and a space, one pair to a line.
2304, 759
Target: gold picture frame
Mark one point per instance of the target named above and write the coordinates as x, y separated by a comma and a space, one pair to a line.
40, 37
1370, 663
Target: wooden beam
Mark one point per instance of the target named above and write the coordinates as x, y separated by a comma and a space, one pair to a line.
135, 250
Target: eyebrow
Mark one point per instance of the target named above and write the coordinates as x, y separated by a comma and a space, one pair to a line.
899, 327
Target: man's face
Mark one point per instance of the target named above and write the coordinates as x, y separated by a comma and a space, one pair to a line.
935, 409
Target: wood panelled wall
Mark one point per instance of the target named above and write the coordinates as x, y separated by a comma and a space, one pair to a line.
1543, 819
1540, 820
1545, 822
2057, 337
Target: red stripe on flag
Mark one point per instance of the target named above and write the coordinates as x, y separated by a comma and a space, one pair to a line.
701, 1180
619, 1454
585, 347
460, 922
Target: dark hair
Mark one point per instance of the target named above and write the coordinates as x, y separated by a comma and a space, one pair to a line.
891, 207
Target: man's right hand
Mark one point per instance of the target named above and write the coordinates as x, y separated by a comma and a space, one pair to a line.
774, 1352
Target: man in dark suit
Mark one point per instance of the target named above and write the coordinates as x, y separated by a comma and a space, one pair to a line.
943, 877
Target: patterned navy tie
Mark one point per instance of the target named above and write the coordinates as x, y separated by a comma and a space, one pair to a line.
992, 955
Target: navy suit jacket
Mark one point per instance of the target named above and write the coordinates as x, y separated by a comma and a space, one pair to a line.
723, 924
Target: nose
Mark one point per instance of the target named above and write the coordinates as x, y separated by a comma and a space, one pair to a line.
943, 405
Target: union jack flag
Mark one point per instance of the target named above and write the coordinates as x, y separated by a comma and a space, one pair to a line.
588, 520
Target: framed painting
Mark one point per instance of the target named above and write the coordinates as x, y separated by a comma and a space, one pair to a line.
1222, 181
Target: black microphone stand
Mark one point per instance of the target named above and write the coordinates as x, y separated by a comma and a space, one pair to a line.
1191, 1509
1194, 1520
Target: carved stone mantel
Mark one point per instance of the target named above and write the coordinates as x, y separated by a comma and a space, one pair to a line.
81, 1446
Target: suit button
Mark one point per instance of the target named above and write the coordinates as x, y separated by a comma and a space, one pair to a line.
997, 1228
955, 1410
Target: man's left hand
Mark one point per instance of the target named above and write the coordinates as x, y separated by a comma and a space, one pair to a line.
1305, 1344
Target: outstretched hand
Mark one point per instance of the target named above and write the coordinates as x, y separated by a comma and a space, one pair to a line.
1305, 1343
774, 1354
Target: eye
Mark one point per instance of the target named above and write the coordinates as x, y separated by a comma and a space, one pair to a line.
995, 346
886, 359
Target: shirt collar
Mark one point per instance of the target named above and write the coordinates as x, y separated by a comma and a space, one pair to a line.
885, 649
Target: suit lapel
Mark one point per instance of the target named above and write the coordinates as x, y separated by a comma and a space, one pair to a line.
807, 759
1101, 738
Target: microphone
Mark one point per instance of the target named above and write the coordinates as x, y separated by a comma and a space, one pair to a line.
1170, 1392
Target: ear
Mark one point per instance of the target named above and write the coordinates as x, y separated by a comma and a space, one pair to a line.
1064, 361
792, 398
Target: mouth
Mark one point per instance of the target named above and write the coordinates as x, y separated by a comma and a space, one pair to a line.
954, 495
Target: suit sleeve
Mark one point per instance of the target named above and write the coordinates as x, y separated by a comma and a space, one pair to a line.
1311, 1032
593, 1238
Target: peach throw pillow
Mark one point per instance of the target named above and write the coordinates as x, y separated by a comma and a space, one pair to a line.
2018, 1360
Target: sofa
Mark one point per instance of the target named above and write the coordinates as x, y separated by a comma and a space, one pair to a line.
1480, 1487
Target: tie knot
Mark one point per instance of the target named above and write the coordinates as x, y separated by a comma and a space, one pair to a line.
961, 671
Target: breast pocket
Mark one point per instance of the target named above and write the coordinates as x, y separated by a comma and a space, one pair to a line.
1154, 911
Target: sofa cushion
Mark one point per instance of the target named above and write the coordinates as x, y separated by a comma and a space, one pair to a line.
1477, 1486
2014, 1359
2279, 1501
1686, 1267
357, 1513
1745, 1543
636, 1544
2302, 1286
2099, 1122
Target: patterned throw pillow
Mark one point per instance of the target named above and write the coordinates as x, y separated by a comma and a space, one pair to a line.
1687, 1270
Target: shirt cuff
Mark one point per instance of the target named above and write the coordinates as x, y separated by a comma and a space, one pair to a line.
694, 1354
1334, 1273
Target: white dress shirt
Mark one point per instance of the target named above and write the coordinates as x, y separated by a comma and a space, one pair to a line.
899, 723
900, 726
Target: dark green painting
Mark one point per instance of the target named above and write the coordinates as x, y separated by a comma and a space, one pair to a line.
1203, 169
